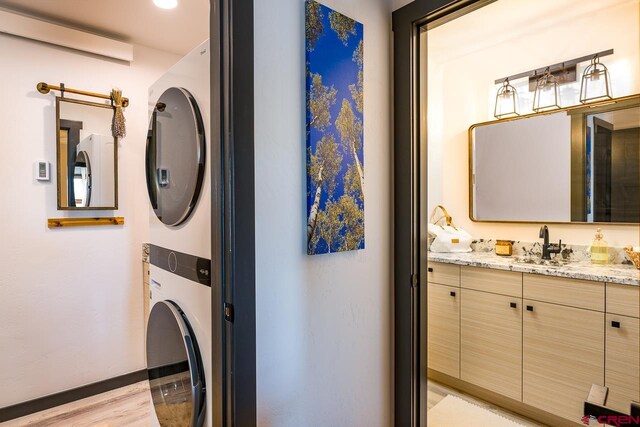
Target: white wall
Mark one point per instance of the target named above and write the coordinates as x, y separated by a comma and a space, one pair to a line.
323, 322
508, 37
71, 299
397, 4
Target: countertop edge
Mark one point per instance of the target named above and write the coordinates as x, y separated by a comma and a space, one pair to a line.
535, 269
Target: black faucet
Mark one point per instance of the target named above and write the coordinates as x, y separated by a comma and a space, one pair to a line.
548, 248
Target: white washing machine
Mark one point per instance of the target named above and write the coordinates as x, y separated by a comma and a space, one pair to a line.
179, 186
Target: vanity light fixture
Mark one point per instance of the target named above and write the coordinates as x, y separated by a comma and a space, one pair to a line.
506, 101
546, 96
166, 4
596, 83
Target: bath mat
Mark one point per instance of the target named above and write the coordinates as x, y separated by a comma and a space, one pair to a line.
455, 412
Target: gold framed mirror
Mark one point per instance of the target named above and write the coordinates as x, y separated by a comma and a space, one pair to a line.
574, 165
87, 156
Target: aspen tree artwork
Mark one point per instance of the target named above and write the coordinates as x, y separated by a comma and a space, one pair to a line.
335, 144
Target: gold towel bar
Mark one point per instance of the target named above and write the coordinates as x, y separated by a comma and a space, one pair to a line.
45, 88
84, 222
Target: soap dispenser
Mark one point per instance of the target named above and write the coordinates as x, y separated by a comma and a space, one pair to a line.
599, 249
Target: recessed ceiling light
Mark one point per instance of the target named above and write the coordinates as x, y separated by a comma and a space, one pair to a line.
166, 4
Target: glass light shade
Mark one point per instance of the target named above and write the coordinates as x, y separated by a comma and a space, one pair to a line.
596, 84
506, 102
546, 97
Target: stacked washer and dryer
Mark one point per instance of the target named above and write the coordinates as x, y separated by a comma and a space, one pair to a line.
179, 343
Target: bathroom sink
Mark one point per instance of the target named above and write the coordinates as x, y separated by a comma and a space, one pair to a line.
539, 261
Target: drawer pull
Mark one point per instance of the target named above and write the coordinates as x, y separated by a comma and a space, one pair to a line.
452, 293
430, 269
615, 324
529, 308
513, 305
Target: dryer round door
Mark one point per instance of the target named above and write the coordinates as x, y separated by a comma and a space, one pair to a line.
175, 159
176, 373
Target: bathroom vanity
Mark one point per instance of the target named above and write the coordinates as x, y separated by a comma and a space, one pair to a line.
538, 335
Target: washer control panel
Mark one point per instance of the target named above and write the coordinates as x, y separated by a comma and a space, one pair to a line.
188, 266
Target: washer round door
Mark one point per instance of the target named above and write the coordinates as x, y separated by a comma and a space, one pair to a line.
175, 160
176, 374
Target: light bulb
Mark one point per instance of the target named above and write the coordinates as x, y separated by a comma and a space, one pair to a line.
166, 4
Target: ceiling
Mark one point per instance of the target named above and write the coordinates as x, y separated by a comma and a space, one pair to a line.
134, 21
511, 20
622, 119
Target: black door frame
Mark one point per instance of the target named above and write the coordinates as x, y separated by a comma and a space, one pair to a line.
410, 183
233, 214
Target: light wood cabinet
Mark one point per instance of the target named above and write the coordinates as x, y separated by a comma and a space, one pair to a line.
536, 339
623, 299
443, 274
495, 281
571, 292
622, 372
563, 355
491, 342
443, 329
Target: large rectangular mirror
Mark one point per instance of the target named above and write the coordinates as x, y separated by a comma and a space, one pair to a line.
579, 164
87, 156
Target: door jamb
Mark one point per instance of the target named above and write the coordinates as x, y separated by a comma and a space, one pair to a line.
410, 253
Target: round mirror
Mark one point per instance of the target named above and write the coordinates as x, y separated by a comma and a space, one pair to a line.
174, 367
175, 156
82, 180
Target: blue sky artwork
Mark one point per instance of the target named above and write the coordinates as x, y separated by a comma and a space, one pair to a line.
334, 131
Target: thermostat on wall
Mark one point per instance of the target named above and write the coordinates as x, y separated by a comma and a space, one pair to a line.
42, 171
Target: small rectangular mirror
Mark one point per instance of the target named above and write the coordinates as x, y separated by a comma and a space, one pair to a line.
579, 164
87, 155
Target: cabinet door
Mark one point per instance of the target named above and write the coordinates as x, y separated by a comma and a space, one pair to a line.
489, 280
443, 329
623, 300
491, 342
622, 373
443, 274
563, 356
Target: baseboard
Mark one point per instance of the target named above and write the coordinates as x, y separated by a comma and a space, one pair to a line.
57, 399
535, 414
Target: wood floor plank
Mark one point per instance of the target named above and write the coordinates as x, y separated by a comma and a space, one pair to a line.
131, 407
127, 406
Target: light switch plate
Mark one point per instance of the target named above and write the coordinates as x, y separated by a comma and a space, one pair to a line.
598, 394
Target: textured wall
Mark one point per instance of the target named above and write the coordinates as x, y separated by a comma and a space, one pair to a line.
323, 322
71, 299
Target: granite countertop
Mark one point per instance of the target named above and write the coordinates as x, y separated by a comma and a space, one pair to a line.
583, 270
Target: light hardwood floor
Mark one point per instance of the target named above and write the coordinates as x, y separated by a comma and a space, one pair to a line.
130, 406
127, 406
